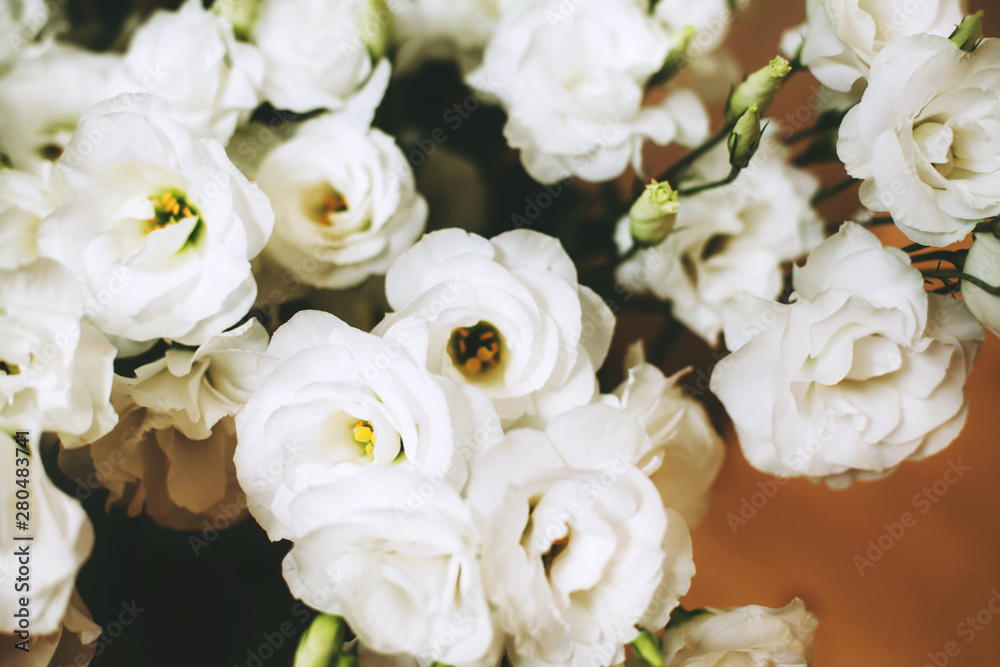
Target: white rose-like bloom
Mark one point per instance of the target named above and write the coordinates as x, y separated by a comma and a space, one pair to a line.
709, 18
685, 453
925, 137
158, 225
398, 557
25, 199
751, 636
191, 390
983, 262
314, 51
577, 546
53, 367
334, 398
505, 315
172, 451
862, 371
728, 239
20, 23
63, 538
571, 78
843, 37
344, 197
44, 96
190, 58
428, 28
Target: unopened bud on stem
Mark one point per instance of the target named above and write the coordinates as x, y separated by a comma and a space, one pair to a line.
761, 87
652, 216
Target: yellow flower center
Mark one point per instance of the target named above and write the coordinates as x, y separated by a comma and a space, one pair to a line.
169, 208
333, 202
364, 435
476, 350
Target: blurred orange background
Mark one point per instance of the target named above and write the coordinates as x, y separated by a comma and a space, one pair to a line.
909, 607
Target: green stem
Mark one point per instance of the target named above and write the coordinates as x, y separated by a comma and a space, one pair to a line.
947, 273
954, 257
733, 175
671, 174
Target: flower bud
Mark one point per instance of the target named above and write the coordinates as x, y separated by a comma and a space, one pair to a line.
321, 642
242, 14
376, 27
983, 262
969, 32
745, 138
647, 648
761, 87
677, 58
652, 216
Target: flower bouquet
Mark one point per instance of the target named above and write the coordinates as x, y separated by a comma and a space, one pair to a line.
359, 332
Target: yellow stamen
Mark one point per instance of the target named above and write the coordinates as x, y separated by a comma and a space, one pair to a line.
473, 365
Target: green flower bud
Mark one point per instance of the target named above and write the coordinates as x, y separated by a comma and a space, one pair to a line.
652, 216
761, 87
321, 642
745, 138
242, 14
647, 648
969, 32
376, 27
676, 58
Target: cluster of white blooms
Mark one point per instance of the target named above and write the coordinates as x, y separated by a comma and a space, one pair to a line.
507, 504
730, 239
455, 482
572, 77
127, 230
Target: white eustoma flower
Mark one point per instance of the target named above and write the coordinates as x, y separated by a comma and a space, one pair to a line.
44, 96
53, 367
710, 20
443, 28
577, 546
191, 390
20, 22
843, 37
983, 262
158, 225
62, 540
572, 79
505, 315
925, 137
685, 453
334, 398
171, 454
25, 199
729, 239
316, 52
863, 370
751, 636
190, 58
344, 197
398, 557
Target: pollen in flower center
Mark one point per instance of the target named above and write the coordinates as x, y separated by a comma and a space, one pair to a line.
169, 208
364, 435
476, 350
333, 202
